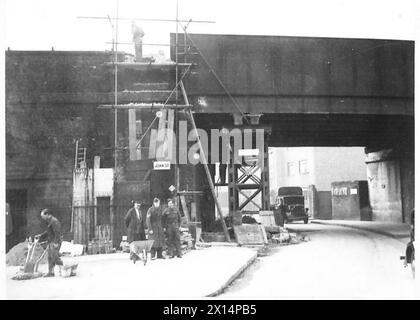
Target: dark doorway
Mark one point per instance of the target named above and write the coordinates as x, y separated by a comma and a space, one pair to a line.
17, 200
103, 211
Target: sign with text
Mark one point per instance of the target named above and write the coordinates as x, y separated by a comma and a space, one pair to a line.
161, 165
339, 191
248, 152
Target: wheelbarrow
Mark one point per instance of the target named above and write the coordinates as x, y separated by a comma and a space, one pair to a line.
30, 269
139, 250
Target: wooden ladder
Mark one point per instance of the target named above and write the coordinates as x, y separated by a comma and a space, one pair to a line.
80, 155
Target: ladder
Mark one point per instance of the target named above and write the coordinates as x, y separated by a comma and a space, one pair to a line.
80, 156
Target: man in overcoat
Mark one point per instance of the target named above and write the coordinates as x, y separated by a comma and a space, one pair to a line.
155, 228
135, 225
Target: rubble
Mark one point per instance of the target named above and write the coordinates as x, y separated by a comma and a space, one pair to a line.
187, 241
17, 255
249, 220
213, 236
99, 246
124, 245
286, 237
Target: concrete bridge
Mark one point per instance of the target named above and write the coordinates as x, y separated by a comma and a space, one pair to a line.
316, 92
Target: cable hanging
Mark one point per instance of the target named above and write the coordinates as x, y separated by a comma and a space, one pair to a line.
215, 74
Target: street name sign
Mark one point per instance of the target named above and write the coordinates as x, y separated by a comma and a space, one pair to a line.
161, 165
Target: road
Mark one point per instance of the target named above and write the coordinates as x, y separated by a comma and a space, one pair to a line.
336, 263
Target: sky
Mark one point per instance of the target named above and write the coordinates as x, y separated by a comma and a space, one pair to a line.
42, 24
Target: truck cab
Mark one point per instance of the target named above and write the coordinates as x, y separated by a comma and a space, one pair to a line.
294, 203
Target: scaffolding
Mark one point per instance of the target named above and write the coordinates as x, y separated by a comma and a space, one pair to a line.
168, 114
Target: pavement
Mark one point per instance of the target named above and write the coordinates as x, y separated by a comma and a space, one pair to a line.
200, 273
399, 231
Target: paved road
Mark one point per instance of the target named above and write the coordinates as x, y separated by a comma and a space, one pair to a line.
336, 263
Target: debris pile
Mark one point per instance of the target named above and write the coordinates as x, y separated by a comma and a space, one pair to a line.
187, 241
286, 237
248, 220
213, 236
98, 246
124, 245
17, 255
102, 242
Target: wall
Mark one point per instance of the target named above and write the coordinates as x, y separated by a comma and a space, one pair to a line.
278, 161
384, 188
349, 200
325, 165
54, 194
407, 183
324, 205
338, 164
304, 74
52, 99
103, 182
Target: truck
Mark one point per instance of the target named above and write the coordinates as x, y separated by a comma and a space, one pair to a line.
294, 203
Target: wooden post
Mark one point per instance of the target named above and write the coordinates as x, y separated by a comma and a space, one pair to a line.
152, 144
209, 178
185, 208
161, 143
170, 138
132, 136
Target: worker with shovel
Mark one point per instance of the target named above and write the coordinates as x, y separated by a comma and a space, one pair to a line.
53, 236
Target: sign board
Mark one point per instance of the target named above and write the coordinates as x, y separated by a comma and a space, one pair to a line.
248, 152
353, 191
339, 191
267, 218
161, 165
171, 188
250, 234
202, 101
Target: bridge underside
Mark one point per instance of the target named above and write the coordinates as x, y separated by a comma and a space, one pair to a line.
327, 130
390, 174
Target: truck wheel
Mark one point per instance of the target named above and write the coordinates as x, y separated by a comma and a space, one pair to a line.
305, 220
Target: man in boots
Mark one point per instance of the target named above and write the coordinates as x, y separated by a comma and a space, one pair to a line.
172, 223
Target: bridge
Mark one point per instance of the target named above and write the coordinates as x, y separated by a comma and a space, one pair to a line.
315, 92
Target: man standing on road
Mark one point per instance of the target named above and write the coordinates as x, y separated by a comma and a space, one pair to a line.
135, 225
155, 228
280, 215
9, 228
172, 223
54, 237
